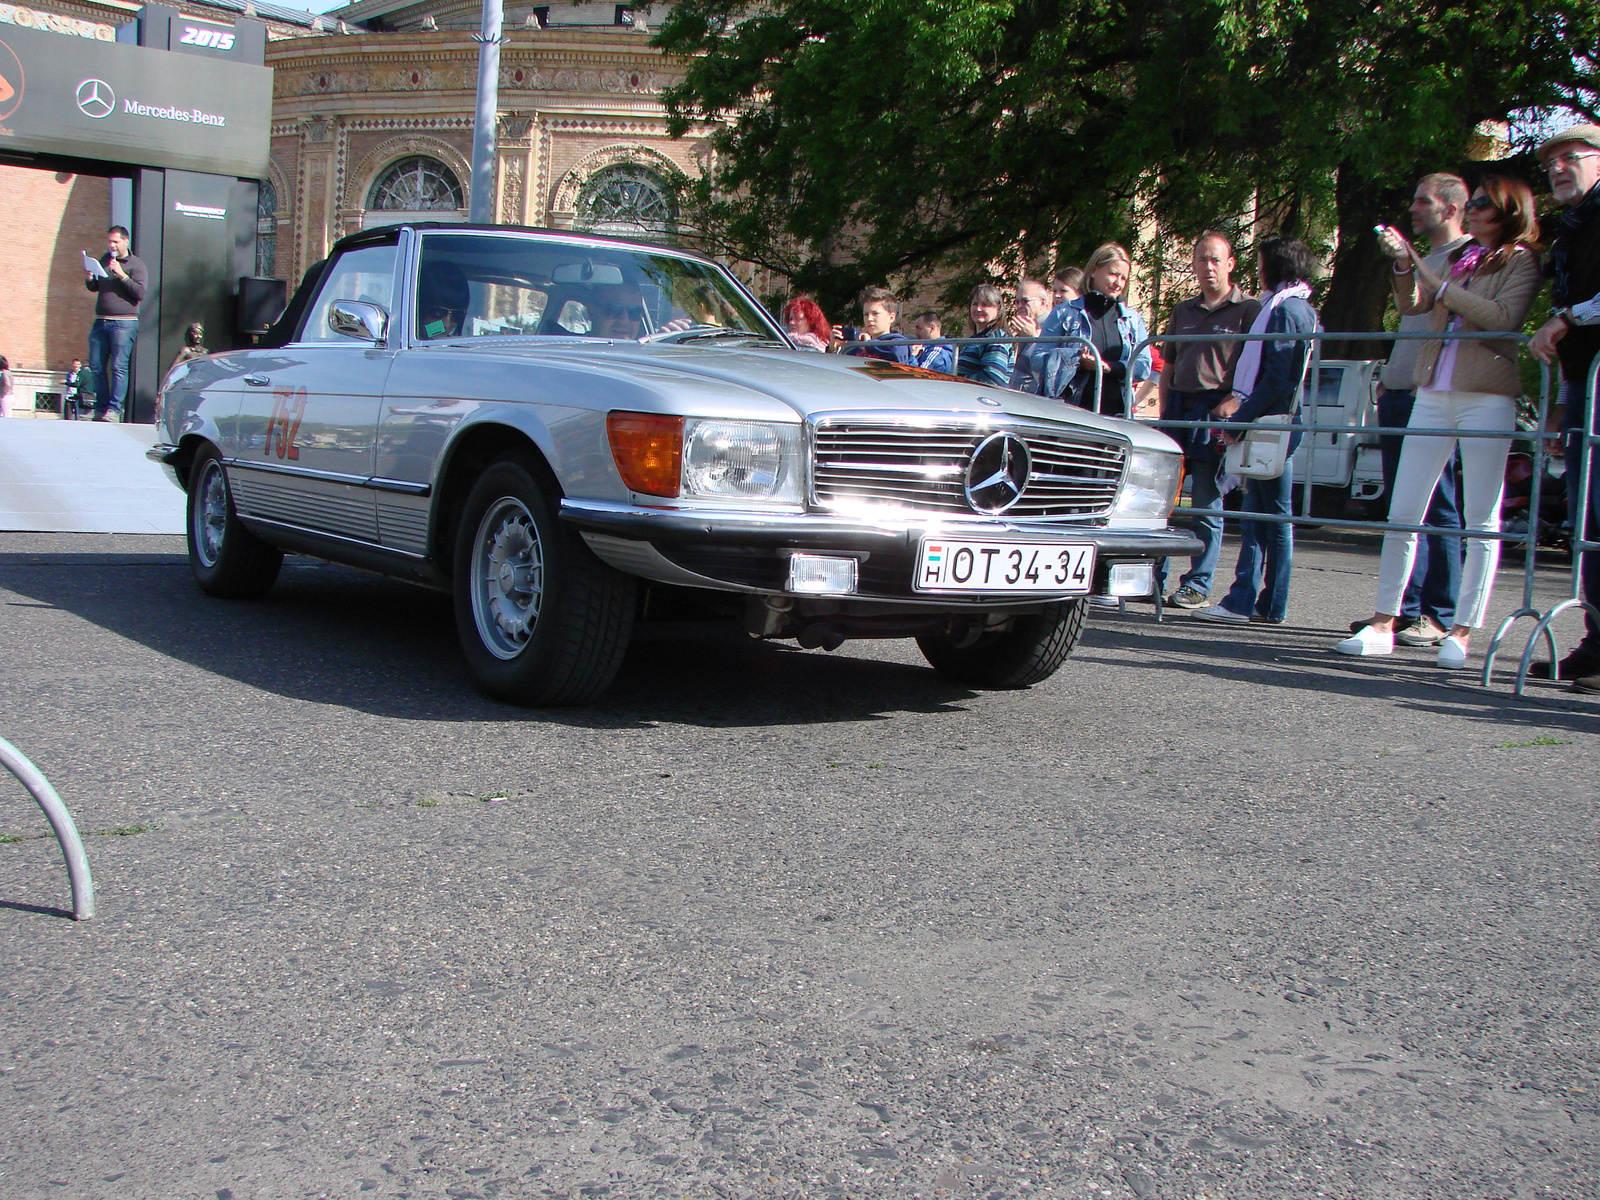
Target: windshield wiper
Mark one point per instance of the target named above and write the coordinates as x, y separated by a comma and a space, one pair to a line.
705, 331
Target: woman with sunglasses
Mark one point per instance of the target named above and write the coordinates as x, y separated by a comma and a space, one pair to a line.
1461, 384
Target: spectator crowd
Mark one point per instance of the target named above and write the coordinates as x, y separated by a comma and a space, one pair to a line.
1474, 264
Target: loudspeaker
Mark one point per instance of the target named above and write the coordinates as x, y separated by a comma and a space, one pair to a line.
261, 302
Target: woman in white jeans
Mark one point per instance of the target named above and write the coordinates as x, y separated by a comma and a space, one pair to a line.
1461, 384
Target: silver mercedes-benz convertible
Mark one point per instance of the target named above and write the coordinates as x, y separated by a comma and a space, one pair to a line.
577, 436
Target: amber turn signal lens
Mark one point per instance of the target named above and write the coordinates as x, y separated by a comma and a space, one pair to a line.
648, 449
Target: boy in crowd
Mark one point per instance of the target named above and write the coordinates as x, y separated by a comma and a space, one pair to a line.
928, 327
879, 309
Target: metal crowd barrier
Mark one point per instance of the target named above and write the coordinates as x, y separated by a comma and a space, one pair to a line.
1579, 506
1312, 370
886, 343
1537, 437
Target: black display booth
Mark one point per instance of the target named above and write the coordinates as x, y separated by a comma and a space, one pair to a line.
180, 109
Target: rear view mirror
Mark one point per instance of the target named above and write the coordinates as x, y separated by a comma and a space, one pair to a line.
358, 319
587, 272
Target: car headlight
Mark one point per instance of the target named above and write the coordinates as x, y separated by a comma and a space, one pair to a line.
1150, 487
703, 458
741, 460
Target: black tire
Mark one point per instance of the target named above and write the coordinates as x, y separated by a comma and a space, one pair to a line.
228, 560
549, 624
1032, 650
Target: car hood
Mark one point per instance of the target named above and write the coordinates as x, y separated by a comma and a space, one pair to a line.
813, 384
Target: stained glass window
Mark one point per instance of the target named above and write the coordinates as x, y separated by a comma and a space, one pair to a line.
416, 184
626, 198
267, 230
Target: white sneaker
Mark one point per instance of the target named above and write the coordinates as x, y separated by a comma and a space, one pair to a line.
1367, 641
1452, 654
1218, 612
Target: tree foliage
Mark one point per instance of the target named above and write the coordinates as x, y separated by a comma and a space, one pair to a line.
887, 138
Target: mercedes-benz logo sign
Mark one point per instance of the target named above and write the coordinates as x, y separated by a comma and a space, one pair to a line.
96, 99
998, 473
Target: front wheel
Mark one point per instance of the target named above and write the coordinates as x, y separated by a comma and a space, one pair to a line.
1031, 651
542, 621
227, 559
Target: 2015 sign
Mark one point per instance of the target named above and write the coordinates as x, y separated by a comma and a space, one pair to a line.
288, 407
215, 38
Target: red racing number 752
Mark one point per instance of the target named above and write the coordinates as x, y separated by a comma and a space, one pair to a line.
288, 406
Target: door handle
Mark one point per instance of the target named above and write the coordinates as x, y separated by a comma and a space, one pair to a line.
258, 381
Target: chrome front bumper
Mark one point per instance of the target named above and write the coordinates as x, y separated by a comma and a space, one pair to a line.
163, 454
742, 551
823, 531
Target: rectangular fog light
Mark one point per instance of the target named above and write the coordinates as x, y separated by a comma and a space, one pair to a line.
1131, 579
819, 575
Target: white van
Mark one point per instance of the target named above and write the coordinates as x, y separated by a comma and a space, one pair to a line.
1342, 466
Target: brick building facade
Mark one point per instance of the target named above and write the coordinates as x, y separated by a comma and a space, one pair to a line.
581, 137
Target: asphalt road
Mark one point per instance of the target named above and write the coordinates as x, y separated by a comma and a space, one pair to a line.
1212, 913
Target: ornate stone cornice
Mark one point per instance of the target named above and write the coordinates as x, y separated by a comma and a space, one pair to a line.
305, 53
578, 74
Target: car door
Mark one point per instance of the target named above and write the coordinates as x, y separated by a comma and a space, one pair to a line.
308, 421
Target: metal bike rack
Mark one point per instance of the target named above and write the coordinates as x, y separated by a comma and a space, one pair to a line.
61, 822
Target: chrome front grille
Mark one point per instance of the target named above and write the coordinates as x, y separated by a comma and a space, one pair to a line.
924, 467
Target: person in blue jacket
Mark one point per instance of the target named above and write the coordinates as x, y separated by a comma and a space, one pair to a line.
986, 362
1266, 382
1113, 329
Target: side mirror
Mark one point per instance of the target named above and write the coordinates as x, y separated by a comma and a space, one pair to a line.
358, 319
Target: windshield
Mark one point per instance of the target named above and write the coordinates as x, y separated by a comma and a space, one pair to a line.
489, 285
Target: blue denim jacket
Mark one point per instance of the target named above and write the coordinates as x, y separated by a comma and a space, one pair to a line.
1052, 367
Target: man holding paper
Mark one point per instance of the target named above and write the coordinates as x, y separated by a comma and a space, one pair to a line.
119, 281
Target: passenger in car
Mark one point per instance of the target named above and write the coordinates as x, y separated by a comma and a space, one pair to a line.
443, 298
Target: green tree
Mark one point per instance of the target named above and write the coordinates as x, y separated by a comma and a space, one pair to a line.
890, 138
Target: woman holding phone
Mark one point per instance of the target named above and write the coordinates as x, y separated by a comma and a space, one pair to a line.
1461, 384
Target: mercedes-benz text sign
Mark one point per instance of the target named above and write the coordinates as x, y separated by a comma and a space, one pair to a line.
135, 105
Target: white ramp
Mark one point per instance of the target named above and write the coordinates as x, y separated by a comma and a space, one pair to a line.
84, 477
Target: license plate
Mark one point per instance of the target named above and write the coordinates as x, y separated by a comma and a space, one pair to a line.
959, 566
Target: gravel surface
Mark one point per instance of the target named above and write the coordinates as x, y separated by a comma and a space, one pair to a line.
1212, 913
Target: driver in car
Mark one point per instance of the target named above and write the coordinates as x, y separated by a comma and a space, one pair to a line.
617, 311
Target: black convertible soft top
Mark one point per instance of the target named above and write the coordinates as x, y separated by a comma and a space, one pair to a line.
283, 329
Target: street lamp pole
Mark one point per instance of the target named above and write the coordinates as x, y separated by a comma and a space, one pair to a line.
480, 203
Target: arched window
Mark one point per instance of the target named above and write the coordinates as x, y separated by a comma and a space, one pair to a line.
626, 198
267, 230
415, 185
